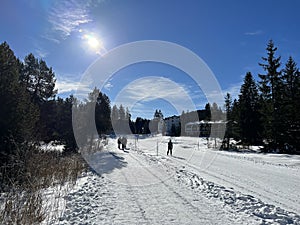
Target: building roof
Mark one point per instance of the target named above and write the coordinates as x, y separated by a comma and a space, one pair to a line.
206, 122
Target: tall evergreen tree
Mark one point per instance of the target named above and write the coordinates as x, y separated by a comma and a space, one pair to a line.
122, 112
38, 78
39, 81
48, 118
296, 125
228, 132
156, 121
235, 116
207, 112
17, 115
291, 106
114, 113
101, 104
127, 114
66, 126
216, 112
114, 117
102, 114
158, 114
271, 95
249, 112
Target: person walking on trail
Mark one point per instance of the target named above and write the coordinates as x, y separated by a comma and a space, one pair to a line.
124, 142
119, 143
170, 147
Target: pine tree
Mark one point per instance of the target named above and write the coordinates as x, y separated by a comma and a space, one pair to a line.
207, 112
38, 79
228, 132
28, 71
271, 95
216, 112
158, 114
48, 119
17, 115
114, 113
121, 112
249, 112
123, 124
102, 114
114, 117
67, 135
235, 116
127, 114
296, 125
155, 122
290, 109
101, 104
97, 104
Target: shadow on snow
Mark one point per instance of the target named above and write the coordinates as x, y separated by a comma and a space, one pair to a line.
105, 162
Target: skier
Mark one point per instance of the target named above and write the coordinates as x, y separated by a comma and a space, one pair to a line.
170, 147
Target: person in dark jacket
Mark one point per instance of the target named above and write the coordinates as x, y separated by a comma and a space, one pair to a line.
124, 142
170, 147
119, 143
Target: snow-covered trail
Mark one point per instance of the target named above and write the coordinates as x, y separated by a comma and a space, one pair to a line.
140, 192
194, 186
266, 186
274, 182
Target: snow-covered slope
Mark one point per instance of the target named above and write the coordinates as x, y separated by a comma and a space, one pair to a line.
196, 185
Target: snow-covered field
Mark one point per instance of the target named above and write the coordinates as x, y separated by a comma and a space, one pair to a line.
197, 185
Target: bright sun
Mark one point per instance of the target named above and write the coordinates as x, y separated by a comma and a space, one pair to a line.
94, 43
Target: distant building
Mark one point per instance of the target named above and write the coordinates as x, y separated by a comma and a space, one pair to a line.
205, 128
173, 121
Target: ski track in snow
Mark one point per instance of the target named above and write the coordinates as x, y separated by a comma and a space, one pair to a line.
142, 188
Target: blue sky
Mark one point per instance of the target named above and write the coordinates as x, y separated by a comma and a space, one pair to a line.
230, 36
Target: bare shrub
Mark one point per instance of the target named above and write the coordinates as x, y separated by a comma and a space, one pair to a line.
26, 177
22, 207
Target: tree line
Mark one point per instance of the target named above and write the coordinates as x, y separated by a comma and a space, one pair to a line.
123, 124
31, 114
30, 111
267, 111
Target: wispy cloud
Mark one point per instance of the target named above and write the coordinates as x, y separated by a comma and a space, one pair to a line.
151, 88
67, 16
39, 49
108, 85
66, 85
41, 53
140, 108
254, 33
233, 90
50, 37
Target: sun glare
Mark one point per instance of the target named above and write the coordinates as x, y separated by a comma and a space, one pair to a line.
94, 43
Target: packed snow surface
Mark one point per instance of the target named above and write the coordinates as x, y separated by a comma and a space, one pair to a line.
196, 185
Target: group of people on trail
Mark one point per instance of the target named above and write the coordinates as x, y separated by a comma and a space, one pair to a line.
122, 142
